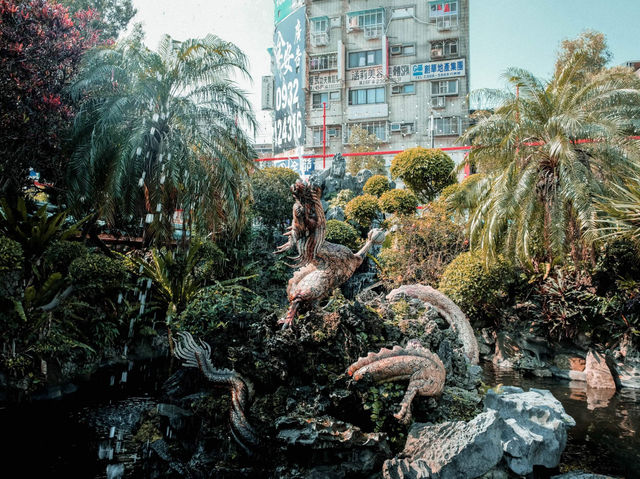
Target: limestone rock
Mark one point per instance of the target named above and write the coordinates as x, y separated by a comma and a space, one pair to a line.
628, 373
335, 213
568, 374
581, 475
338, 449
598, 374
450, 450
535, 431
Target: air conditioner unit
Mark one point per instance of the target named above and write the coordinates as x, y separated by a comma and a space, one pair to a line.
396, 127
438, 102
396, 89
319, 39
396, 50
437, 53
373, 32
407, 128
332, 132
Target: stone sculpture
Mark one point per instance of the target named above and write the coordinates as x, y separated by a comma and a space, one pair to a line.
322, 266
198, 356
447, 309
425, 372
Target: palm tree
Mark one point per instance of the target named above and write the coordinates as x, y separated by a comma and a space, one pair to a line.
545, 155
621, 212
162, 131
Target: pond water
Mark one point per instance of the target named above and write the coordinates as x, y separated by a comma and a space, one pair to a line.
605, 439
89, 434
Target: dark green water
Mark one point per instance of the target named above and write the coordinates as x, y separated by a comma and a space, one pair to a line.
605, 439
88, 434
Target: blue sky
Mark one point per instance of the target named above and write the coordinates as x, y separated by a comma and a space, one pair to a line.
527, 33
504, 33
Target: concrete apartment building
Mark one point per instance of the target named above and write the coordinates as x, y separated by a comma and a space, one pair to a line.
398, 69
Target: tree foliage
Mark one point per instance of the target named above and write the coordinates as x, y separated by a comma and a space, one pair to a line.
422, 247
362, 141
545, 155
592, 45
425, 171
343, 233
112, 17
161, 131
41, 46
272, 198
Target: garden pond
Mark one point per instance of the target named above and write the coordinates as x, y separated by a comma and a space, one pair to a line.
89, 433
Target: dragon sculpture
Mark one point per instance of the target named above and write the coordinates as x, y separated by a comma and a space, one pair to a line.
322, 266
198, 356
424, 369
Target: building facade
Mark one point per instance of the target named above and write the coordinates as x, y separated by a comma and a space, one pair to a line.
400, 70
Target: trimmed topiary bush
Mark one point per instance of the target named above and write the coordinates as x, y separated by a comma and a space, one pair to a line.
272, 199
478, 290
400, 202
343, 233
61, 254
376, 185
448, 191
362, 210
425, 171
97, 272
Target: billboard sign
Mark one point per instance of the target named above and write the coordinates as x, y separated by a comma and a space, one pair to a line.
366, 76
288, 54
438, 70
283, 8
324, 82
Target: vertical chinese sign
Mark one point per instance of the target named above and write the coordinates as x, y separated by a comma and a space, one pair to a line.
289, 59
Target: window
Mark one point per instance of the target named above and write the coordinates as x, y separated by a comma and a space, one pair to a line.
371, 22
444, 87
405, 89
446, 126
365, 59
377, 128
319, 24
444, 49
333, 131
404, 50
317, 99
319, 31
323, 62
366, 96
444, 14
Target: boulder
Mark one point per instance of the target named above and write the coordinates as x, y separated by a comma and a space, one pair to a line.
535, 431
450, 450
627, 373
568, 374
598, 374
581, 475
507, 351
338, 449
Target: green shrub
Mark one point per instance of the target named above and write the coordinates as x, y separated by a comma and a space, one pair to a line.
425, 171
210, 262
272, 198
60, 255
376, 185
342, 198
448, 191
97, 272
362, 210
421, 247
400, 202
215, 306
480, 291
11, 261
343, 233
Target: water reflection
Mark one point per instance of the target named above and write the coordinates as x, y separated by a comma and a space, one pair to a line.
605, 438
